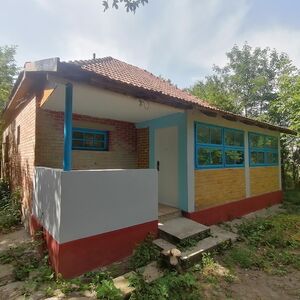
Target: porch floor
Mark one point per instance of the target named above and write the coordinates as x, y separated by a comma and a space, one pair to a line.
166, 212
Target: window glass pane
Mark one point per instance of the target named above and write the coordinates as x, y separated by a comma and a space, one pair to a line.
203, 135
77, 143
257, 157
216, 136
271, 158
239, 139
257, 141
216, 157
234, 157
275, 158
77, 135
274, 142
203, 156
229, 137
88, 139
99, 144
99, 137
234, 138
271, 142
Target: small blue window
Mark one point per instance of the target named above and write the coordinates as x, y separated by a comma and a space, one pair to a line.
263, 150
218, 147
89, 139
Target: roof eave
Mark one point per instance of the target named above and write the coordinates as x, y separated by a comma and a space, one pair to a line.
234, 117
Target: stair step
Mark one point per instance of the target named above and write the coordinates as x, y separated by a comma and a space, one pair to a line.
219, 231
169, 216
163, 244
179, 229
166, 212
219, 237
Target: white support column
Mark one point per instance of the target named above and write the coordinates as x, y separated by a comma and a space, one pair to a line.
279, 164
190, 163
247, 166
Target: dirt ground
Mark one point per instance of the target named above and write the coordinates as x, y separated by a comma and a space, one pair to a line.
255, 285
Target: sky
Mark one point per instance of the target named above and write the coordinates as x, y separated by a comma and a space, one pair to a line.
178, 39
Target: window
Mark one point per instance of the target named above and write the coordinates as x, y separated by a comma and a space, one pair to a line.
218, 147
263, 149
18, 135
89, 139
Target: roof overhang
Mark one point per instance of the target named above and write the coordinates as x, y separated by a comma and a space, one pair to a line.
40, 70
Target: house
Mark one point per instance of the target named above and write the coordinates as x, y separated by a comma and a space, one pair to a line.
99, 147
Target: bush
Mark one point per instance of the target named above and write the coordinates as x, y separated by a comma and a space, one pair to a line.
144, 253
10, 208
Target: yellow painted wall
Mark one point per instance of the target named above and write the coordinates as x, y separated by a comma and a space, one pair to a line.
264, 180
218, 186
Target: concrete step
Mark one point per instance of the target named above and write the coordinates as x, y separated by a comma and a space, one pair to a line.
218, 238
166, 213
163, 244
180, 229
169, 216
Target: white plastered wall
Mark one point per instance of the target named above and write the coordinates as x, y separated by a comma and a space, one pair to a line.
79, 204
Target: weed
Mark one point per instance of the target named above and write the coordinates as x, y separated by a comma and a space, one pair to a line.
292, 201
187, 243
243, 257
10, 208
171, 286
107, 290
144, 253
207, 260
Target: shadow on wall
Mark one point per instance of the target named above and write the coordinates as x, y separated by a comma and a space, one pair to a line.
17, 171
46, 206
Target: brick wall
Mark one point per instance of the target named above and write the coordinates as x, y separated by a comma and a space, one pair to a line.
264, 180
143, 148
122, 152
216, 187
19, 166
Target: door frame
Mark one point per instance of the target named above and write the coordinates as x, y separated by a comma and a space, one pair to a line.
180, 119
168, 194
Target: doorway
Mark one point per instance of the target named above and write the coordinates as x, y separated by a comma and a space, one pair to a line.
166, 158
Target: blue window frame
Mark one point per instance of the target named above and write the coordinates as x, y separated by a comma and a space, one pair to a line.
218, 147
89, 139
263, 150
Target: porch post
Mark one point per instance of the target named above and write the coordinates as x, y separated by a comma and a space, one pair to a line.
68, 127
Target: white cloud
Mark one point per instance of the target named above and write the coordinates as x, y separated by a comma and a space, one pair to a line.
178, 39
281, 38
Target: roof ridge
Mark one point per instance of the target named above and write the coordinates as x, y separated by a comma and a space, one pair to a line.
162, 87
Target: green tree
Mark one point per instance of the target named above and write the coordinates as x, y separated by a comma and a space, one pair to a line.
215, 90
129, 5
8, 71
249, 81
285, 111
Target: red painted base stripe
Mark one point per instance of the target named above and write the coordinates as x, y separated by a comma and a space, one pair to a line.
229, 211
77, 257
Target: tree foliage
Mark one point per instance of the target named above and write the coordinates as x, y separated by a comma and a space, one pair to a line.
129, 5
249, 81
262, 84
8, 71
285, 111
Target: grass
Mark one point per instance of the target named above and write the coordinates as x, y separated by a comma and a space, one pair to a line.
271, 244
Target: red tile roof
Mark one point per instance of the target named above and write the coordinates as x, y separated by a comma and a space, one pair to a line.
120, 71
132, 75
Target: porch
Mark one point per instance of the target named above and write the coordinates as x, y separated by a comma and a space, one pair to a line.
97, 211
